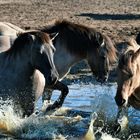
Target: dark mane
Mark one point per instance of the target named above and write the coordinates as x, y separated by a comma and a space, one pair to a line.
80, 38
62, 24
111, 50
131, 47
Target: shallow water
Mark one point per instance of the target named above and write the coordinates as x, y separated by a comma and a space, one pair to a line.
100, 99
85, 98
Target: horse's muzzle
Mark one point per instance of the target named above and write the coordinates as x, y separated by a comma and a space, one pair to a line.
102, 79
119, 101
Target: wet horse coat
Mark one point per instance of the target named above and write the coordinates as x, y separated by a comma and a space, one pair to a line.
128, 90
30, 51
76, 42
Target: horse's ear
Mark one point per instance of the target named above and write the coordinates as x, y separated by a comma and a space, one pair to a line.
53, 35
136, 55
100, 39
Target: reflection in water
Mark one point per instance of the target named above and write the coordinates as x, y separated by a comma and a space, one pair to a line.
83, 99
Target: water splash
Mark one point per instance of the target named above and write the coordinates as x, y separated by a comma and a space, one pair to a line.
61, 124
82, 98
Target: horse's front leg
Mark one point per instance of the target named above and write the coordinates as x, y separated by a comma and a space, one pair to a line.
28, 106
46, 98
47, 94
64, 91
121, 123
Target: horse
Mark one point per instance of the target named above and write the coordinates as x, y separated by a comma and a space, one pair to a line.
128, 89
73, 43
8, 33
30, 51
76, 42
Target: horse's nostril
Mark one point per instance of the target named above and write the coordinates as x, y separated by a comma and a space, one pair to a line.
120, 101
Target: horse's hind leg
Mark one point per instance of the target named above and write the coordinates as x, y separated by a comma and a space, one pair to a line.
64, 91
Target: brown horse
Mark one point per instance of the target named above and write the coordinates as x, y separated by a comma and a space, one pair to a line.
128, 90
30, 51
76, 42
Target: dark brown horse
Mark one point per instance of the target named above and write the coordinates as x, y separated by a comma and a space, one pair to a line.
30, 51
76, 42
128, 90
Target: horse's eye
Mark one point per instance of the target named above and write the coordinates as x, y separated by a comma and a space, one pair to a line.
130, 74
103, 57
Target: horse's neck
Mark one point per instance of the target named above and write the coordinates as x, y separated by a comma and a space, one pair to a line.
64, 60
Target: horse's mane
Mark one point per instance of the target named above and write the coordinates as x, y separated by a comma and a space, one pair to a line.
25, 38
111, 50
131, 47
63, 24
87, 36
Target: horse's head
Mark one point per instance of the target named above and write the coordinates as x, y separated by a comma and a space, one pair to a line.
128, 73
101, 57
41, 54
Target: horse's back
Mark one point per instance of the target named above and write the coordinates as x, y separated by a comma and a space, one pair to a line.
8, 33
9, 29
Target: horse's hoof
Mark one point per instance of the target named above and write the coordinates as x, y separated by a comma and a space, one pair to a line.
49, 108
53, 106
57, 104
116, 129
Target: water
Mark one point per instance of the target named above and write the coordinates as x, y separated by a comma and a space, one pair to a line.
82, 100
100, 99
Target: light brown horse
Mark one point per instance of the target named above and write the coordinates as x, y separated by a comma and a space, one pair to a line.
128, 90
30, 51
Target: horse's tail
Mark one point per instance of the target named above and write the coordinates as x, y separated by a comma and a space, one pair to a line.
55, 27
